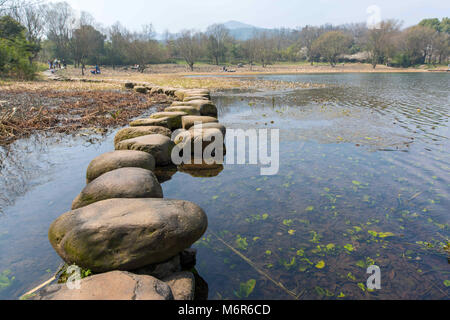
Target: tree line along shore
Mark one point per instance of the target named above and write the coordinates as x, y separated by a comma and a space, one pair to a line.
34, 34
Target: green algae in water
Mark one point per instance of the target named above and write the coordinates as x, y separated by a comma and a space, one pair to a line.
245, 289
6, 279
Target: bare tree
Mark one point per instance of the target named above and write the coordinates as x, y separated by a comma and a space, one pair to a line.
250, 49
30, 15
3, 5
218, 36
380, 41
264, 48
188, 44
60, 20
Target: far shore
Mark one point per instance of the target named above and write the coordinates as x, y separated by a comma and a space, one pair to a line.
208, 69
213, 77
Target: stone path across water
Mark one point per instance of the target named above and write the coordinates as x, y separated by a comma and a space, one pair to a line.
120, 227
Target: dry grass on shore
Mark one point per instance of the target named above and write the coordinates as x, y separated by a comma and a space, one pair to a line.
66, 107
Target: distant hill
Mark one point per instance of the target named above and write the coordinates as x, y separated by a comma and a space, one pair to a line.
238, 30
242, 31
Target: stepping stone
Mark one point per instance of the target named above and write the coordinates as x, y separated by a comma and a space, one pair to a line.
203, 137
187, 109
191, 98
127, 234
190, 121
205, 107
115, 285
169, 91
119, 159
140, 89
174, 118
183, 93
157, 90
162, 122
120, 183
134, 132
159, 146
211, 125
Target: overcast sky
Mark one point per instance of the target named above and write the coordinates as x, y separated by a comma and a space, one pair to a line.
175, 15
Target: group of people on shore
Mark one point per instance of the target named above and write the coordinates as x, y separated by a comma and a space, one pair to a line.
57, 64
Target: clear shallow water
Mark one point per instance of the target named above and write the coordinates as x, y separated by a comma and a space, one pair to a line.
364, 179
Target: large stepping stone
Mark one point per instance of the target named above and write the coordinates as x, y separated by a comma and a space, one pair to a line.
190, 121
159, 146
205, 107
120, 183
119, 159
115, 285
126, 234
174, 118
187, 109
134, 132
162, 122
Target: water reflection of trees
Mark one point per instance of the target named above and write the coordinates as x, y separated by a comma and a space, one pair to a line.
26, 160
20, 162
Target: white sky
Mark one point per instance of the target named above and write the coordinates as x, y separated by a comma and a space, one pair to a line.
176, 15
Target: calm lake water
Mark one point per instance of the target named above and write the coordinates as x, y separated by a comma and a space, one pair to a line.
364, 180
